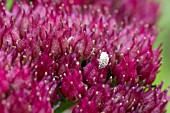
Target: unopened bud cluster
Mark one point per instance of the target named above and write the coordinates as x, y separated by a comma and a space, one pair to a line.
95, 53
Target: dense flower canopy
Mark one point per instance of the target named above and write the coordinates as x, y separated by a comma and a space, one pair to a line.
97, 54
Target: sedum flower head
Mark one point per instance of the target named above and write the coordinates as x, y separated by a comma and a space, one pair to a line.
19, 93
122, 98
92, 53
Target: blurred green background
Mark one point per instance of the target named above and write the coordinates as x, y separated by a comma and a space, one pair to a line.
164, 36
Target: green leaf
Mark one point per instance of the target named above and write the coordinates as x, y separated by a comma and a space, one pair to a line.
9, 4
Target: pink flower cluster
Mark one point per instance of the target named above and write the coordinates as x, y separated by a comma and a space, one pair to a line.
95, 53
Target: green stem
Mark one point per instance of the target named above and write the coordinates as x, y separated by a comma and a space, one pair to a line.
64, 106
